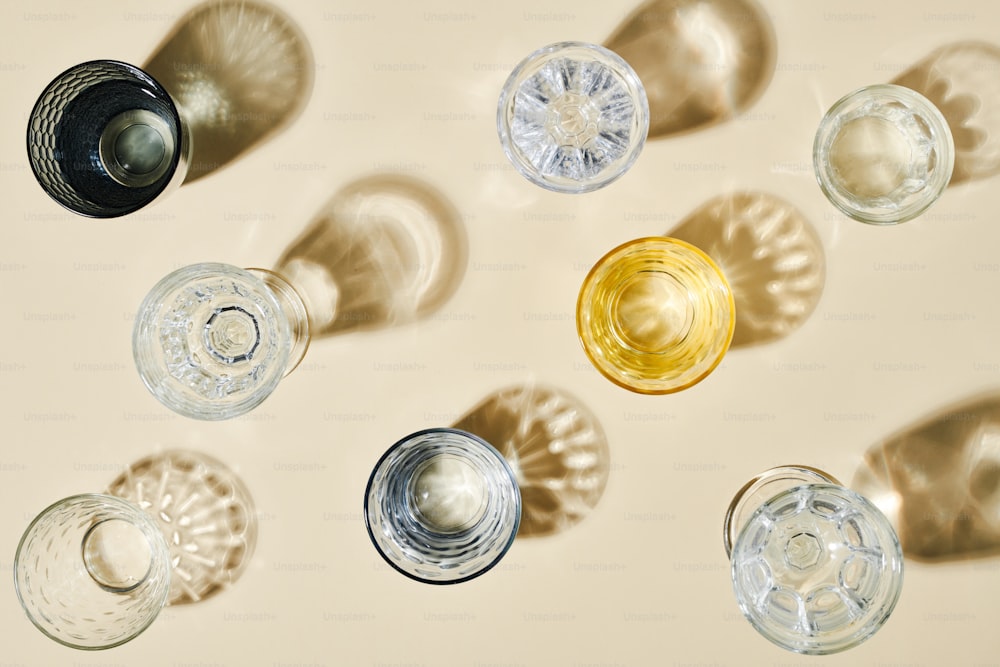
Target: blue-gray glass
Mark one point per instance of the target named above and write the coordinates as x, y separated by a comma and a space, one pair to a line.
442, 506
105, 139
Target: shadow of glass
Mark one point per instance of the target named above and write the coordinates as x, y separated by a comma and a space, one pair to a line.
556, 448
239, 72
385, 250
205, 512
771, 256
938, 481
963, 81
700, 61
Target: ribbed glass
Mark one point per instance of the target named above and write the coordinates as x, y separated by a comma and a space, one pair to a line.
442, 506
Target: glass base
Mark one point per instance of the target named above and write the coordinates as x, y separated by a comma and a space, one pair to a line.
205, 513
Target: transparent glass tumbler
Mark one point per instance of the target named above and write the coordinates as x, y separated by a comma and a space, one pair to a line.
883, 154
442, 506
816, 567
573, 117
212, 341
655, 315
92, 571
105, 139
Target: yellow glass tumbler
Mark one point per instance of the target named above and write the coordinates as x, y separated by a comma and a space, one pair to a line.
655, 315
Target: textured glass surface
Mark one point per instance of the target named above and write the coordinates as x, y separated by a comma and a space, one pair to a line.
817, 569
211, 341
92, 102
92, 571
442, 506
655, 315
883, 154
573, 117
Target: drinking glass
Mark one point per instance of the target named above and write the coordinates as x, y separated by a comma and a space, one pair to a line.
816, 567
92, 571
105, 139
883, 154
212, 341
572, 117
442, 506
655, 315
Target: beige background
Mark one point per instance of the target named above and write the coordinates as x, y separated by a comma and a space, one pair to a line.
412, 87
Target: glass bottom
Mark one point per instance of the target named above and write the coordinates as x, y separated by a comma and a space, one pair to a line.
448, 494
117, 555
136, 148
652, 312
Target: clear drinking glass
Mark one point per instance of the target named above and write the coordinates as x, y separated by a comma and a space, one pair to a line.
105, 139
92, 571
883, 154
655, 315
816, 567
573, 117
212, 341
442, 506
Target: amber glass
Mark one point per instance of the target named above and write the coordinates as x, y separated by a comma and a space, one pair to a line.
655, 315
